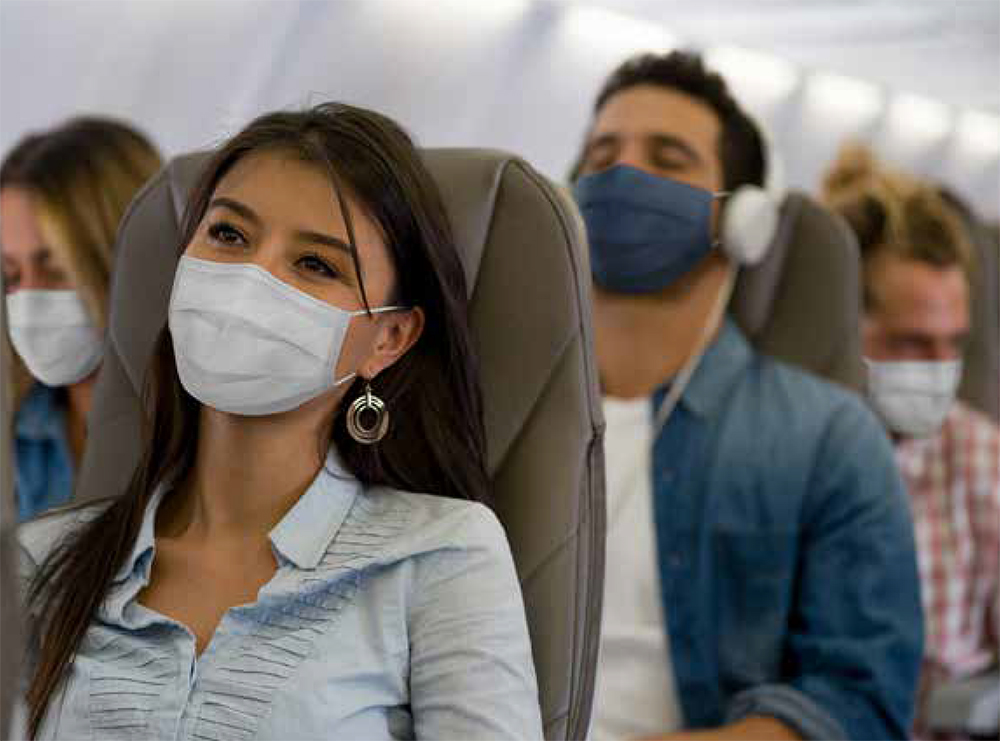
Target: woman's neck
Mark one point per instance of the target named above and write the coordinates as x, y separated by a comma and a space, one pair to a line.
248, 473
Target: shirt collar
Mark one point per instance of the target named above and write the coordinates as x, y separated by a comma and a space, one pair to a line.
145, 541
914, 455
40, 415
306, 531
301, 537
723, 363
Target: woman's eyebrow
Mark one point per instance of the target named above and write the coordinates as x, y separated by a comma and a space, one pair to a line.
233, 205
304, 235
307, 235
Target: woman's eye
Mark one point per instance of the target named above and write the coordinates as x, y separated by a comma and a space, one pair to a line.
316, 264
226, 234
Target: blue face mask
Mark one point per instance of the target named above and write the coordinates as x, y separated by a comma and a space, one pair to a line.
645, 232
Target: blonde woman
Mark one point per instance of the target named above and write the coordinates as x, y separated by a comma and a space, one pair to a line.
62, 194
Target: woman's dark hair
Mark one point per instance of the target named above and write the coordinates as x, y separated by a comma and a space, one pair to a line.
741, 147
438, 443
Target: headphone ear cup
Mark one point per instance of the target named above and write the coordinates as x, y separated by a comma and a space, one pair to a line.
749, 224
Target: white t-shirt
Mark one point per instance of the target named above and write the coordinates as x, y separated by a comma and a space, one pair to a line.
635, 694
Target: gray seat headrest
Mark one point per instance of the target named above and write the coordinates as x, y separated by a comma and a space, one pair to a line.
981, 379
801, 304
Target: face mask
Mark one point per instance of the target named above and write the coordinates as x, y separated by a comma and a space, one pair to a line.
247, 343
645, 232
53, 334
913, 397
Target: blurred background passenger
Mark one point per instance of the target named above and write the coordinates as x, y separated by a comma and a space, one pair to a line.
761, 575
917, 257
62, 195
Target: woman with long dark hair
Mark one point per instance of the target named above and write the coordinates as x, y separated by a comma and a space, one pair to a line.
303, 551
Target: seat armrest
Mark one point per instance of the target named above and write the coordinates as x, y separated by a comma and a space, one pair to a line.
969, 706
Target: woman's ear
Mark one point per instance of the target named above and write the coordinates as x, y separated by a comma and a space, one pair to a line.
397, 333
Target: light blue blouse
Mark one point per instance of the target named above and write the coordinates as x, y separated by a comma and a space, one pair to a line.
391, 615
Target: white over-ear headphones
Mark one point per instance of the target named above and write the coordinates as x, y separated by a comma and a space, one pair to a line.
751, 214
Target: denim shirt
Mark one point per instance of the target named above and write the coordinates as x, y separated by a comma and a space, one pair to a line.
391, 615
786, 552
44, 477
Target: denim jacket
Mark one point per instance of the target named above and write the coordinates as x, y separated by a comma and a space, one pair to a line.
44, 474
786, 552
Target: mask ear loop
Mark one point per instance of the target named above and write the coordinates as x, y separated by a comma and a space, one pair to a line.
368, 312
677, 388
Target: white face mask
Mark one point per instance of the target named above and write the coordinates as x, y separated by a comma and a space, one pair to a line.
247, 343
54, 335
913, 397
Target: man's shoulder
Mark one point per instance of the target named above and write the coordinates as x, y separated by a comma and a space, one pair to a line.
808, 423
790, 392
823, 441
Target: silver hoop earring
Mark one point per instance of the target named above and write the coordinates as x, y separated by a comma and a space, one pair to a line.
367, 418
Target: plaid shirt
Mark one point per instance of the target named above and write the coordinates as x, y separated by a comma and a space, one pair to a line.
954, 484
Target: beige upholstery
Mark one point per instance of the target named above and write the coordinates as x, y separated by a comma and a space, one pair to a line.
981, 380
525, 259
10, 646
802, 303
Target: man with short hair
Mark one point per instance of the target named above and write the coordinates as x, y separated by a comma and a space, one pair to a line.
761, 578
916, 257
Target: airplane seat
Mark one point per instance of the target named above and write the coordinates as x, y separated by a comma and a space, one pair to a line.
981, 380
966, 708
524, 254
10, 613
801, 304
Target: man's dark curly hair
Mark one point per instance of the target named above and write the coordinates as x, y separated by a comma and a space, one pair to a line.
741, 147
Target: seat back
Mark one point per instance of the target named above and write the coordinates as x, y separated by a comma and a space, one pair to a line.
802, 302
981, 380
10, 614
525, 259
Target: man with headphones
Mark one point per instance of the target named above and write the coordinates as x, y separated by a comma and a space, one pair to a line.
761, 577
